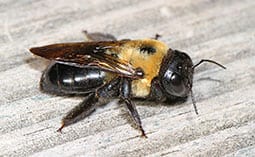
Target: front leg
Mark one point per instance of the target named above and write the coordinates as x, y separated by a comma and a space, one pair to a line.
125, 91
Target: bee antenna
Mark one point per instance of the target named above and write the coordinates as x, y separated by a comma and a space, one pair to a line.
194, 66
193, 101
210, 61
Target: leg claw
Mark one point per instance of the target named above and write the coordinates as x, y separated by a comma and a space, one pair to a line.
60, 129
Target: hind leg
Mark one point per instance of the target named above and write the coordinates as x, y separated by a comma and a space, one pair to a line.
84, 109
91, 102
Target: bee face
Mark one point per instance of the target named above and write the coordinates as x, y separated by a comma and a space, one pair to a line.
176, 74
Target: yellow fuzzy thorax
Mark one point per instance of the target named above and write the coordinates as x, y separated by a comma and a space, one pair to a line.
150, 63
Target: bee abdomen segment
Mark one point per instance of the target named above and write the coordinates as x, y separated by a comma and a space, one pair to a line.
63, 79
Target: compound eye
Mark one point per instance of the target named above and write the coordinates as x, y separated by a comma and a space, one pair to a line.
176, 80
174, 84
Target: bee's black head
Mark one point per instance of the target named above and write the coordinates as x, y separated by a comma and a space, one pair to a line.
176, 74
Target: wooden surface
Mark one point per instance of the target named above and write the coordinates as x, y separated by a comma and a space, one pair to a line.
222, 30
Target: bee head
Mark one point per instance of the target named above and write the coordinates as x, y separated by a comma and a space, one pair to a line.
176, 74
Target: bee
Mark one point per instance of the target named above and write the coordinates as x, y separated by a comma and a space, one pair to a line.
105, 68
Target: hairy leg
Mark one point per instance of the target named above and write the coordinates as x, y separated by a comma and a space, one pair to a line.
102, 96
82, 110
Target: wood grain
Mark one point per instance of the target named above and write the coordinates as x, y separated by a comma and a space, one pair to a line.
220, 30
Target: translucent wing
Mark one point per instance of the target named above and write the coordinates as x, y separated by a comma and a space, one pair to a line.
101, 54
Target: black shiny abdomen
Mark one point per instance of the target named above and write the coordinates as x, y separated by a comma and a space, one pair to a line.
63, 79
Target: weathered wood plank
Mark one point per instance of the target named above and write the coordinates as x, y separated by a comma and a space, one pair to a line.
220, 30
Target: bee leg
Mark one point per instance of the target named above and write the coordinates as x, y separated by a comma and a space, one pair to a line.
134, 114
125, 96
96, 36
85, 108
157, 36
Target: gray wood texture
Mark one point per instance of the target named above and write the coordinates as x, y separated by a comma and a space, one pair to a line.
222, 30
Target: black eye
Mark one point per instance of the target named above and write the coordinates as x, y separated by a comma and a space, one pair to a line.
175, 80
173, 84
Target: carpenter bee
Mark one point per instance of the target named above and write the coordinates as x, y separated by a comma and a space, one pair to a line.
104, 68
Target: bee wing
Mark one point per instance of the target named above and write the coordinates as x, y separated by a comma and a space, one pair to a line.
83, 54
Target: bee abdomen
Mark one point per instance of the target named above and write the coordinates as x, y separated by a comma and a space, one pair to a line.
63, 79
